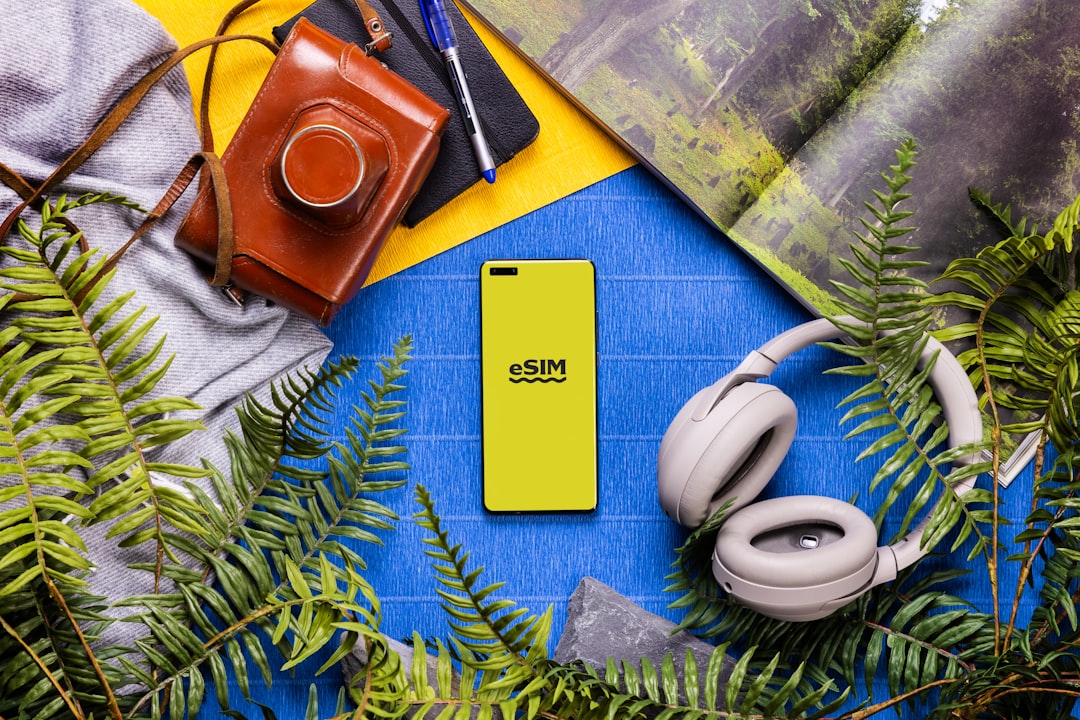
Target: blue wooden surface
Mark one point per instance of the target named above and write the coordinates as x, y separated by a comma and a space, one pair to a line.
678, 307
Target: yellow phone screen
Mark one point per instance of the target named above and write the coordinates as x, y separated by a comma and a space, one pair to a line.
538, 358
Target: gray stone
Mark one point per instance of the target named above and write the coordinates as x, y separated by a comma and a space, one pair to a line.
603, 624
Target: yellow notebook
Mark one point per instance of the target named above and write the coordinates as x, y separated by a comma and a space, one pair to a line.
570, 153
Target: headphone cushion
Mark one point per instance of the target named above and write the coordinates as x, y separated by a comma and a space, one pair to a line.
766, 544
730, 454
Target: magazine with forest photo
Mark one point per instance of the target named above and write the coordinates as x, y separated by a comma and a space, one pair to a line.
775, 118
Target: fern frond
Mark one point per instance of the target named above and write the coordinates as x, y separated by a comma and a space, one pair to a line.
272, 532
922, 638
1051, 364
896, 400
57, 664
498, 632
692, 576
503, 643
101, 347
1052, 535
231, 627
1001, 214
382, 687
1025, 333
80, 416
74, 395
309, 612
753, 688
285, 509
1026, 337
36, 533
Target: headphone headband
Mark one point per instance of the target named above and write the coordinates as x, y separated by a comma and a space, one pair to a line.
957, 398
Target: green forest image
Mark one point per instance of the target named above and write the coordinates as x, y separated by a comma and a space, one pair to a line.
774, 118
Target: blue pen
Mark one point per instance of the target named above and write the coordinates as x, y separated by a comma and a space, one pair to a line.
442, 36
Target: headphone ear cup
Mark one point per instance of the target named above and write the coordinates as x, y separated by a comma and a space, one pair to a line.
730, 453
787, 557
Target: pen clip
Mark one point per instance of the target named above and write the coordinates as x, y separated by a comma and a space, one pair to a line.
427, 22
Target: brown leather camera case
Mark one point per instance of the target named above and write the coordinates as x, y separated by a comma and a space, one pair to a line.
328, 158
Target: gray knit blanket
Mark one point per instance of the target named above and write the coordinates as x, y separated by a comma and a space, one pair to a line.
63, 65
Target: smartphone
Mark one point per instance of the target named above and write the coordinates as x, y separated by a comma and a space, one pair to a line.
538, 376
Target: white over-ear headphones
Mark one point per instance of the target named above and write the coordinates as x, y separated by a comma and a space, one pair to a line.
792, 558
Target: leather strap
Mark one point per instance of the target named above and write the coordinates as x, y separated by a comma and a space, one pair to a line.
220, 186
206, 132
108, 125
25, 190
32, 196
381, 38
15, 181
225, 221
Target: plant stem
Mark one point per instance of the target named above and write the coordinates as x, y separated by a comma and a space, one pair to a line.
875, 709
1032, 553
362, 705
1007, 687
54, 592
929, 646
58, 598
68, 697
995, 436
214, 644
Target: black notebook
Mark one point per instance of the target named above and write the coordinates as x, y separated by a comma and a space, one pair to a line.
507, 122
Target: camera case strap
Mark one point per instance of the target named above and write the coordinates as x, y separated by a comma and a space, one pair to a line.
319, 172
331, 152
